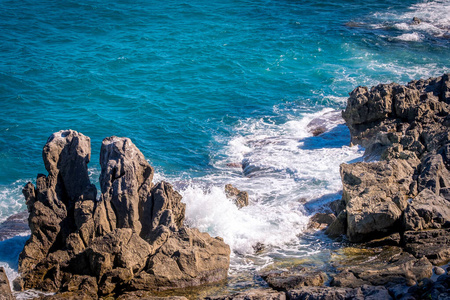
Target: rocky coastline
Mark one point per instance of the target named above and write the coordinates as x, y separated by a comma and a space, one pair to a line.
393, 221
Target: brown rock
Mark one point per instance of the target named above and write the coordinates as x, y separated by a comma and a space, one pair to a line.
321, 220
5, 288
238, 197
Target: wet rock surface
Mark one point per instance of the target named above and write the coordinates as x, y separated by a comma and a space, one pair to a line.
133, 238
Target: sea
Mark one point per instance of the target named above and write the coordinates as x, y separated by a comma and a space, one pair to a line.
212, 92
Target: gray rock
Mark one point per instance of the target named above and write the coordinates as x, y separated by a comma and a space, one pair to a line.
321, 220
125, 180
385, 266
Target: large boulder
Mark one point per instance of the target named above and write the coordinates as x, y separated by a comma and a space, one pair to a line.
133, 237
375, 196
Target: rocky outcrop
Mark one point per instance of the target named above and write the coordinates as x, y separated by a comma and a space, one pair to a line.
133, 238
406, 128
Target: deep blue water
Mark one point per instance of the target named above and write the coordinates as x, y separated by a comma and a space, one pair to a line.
195, 83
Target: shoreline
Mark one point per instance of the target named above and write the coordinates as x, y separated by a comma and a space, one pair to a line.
378, 123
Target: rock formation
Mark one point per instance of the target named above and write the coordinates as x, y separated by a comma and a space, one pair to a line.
406, 128
133, 238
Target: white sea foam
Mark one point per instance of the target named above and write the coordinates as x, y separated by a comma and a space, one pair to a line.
11, 199
410, 37
284, 168
434, 19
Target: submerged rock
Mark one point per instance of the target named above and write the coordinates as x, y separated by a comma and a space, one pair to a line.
133, 238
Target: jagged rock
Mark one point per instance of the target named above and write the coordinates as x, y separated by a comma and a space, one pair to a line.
426, 210
365, 292
293, 278
337, 206
414, 114
253, 294
379, 266
375, 194
5, 288
121, 248
82, 248
51, 204
239, 198
125, 180
187, 258
166, 210
432, 244
321, 220
433, 174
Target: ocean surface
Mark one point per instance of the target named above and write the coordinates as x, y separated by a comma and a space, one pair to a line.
203, 86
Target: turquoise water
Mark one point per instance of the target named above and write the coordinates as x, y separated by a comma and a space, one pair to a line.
202, 84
